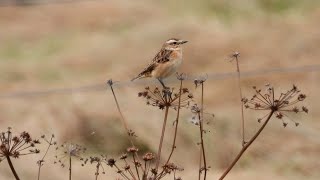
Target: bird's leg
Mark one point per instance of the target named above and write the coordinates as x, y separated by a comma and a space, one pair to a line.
164, 87
166, 90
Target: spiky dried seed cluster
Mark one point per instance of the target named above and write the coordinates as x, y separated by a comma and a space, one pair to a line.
281, 105
132, 150
17, 145
99, 162
129, 167
200, 80
148, 156
166, 97
111, 162
196, 111
70, 150
171, 167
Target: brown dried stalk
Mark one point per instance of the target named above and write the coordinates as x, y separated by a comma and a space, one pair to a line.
245, 147
162, 136
180, 77
12, 168
67, 152
130, 133
123, 121
199, 112
235, 56
16, 146
165, 99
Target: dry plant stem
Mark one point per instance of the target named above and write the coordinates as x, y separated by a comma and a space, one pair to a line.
162, 136
242, 111
122, 174
200, 164
12, 168
201, 135
176, 123
123, 120
70, 168
137, 171
245, 147
124, 123
202, 153
97, 172
175, 130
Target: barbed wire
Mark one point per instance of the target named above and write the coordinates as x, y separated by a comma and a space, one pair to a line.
11, 3
104, 86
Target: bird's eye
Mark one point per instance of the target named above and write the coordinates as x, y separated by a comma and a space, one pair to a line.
174, 43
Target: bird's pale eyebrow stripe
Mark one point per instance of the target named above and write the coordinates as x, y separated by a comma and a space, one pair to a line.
171, 41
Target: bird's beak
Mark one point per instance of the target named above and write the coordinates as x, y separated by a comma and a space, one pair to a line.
182, 42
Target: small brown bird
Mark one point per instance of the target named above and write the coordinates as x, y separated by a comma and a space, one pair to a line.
166, 62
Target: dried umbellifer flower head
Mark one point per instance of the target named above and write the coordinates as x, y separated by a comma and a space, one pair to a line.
70, 150
111, 162
132, 149
281, 105
17, 145
148, 156
166, 97
170, 167
99, 161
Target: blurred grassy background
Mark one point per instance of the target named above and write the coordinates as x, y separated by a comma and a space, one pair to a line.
53, 44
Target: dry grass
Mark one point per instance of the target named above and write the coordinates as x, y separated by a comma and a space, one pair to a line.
65, 45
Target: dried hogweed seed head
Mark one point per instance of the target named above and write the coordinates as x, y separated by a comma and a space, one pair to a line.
279, 115
154, 171
280, 105
124, 156
110, 82
17, 145
148, 157
132, 149
111, 162
166, 97
181, 76
70, 150
305, 109
126, 167
137, 163
301, 97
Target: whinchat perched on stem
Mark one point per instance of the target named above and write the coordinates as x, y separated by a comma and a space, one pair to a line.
166, 62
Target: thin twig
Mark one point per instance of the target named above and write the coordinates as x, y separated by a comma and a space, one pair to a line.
200, 161
176, 125
123, 120
135, 165
70, 168
245, 147
175, 130
162, 136
12, 168
97, 171
201, 134
236, 55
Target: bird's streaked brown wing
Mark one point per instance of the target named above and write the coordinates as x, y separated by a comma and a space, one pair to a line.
162, 57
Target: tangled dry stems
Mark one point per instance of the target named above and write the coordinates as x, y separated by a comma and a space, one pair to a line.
149, 166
